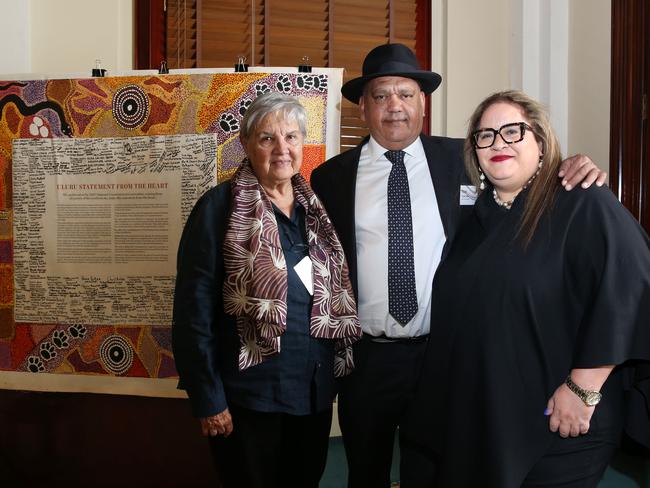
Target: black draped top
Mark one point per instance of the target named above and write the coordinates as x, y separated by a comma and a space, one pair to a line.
509, 323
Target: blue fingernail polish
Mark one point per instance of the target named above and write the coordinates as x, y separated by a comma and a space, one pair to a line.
547, 411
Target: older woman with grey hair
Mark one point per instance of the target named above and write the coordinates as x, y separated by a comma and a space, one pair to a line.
264, 313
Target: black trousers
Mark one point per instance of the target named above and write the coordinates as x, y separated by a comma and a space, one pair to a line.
580, 462
272, 450
571, 463
373, 402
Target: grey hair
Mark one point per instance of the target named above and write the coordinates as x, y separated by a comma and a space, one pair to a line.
273, 102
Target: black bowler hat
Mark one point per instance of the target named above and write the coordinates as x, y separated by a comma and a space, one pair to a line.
390, 60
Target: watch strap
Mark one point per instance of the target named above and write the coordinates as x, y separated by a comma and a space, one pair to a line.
589, 397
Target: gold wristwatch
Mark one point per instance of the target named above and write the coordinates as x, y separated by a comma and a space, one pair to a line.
591, 398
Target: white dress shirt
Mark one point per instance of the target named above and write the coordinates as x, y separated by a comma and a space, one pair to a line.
371, 226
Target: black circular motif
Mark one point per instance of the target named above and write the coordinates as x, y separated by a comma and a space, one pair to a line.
116, 354
130, 107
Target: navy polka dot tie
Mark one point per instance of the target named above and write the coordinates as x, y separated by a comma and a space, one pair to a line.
402, 295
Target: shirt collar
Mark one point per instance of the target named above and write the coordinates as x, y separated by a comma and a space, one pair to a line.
296, 211
376, 151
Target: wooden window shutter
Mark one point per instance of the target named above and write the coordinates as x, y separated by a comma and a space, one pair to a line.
295, 29
359, 26
226, 30
182, 33
331, 33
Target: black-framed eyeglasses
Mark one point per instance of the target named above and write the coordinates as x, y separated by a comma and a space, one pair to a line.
510, 133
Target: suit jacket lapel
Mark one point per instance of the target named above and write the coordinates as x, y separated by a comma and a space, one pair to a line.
348, 166
445, 181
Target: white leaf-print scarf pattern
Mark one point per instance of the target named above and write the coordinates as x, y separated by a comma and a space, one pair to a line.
255, 285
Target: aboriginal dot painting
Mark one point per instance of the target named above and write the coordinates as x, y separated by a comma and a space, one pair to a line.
126, 107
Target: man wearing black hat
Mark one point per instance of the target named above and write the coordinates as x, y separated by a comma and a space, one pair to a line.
395, 201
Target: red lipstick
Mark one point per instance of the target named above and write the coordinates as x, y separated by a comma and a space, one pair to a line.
499, 158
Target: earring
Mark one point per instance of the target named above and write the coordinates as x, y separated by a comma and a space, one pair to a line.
482, 178
541, 161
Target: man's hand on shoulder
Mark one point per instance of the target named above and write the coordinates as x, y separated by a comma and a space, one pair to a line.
580, 169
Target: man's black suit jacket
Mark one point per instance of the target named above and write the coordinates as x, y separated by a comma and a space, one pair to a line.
335, 184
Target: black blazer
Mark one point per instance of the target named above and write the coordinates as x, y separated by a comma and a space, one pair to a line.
205, 340
335, 184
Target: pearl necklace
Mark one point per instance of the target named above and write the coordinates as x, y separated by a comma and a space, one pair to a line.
508, 203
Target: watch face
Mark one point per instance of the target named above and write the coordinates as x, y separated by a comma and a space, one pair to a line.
592, 398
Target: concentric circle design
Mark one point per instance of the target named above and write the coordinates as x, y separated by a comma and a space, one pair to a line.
130, 107
116, 354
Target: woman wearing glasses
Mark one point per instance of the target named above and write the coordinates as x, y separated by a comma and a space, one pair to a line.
541, 304
264, 313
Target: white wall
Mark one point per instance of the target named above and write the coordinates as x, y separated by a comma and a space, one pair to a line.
589, 79
471, 49
53, 37
556, 51
541, 66
68, 35
14, 37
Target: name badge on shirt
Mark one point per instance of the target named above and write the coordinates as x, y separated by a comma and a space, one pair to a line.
303, 270
468, 194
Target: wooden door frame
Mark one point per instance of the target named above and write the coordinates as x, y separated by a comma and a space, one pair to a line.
150, 33
630, 79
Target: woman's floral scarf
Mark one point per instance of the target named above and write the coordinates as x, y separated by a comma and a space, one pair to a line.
255, 285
